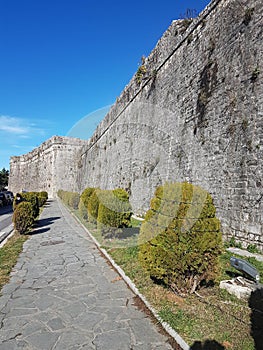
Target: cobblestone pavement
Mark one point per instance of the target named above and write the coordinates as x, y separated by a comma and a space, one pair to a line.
63, 295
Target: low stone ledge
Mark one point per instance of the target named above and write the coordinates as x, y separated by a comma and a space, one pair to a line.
239, 287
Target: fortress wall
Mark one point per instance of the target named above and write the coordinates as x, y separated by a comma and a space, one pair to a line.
49, 167
196, 115
193, 114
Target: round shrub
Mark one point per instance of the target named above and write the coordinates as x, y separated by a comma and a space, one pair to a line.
114, 212
23, 217
180, 239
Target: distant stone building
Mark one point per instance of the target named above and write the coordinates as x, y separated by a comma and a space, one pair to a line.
49, 167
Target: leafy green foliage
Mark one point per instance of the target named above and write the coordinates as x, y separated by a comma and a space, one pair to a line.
84, 200
93, 206
32, 197
252, 248
114, 212
4, 175
83, 209
86, 194
140, 73
37, 199
233, 243
42, 197
74, 200
180, 239
23, 217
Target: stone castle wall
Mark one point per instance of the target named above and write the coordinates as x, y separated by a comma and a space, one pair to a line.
50, 167
193, 112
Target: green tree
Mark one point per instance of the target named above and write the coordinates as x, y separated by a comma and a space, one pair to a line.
4, 175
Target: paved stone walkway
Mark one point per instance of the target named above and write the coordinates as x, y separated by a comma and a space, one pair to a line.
63, 295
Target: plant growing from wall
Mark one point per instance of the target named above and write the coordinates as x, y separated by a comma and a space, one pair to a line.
188, 17
248, 15
140, 74
189, 39
180, 239
255, 74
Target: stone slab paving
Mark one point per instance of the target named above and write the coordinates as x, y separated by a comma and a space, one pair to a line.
63, 295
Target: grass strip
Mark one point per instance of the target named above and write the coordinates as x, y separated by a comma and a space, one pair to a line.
8, 256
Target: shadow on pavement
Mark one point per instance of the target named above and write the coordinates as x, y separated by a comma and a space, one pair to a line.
41, 225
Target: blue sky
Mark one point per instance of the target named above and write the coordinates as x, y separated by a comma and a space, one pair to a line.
61, 60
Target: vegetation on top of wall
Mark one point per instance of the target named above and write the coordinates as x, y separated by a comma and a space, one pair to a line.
188, 17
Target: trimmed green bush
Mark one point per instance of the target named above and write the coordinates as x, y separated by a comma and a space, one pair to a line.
180, 239
114, 212
32, 197
74, 200
42, 197
71, 199
84, 200
82, 209
86, 194
23, 217
93, 206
